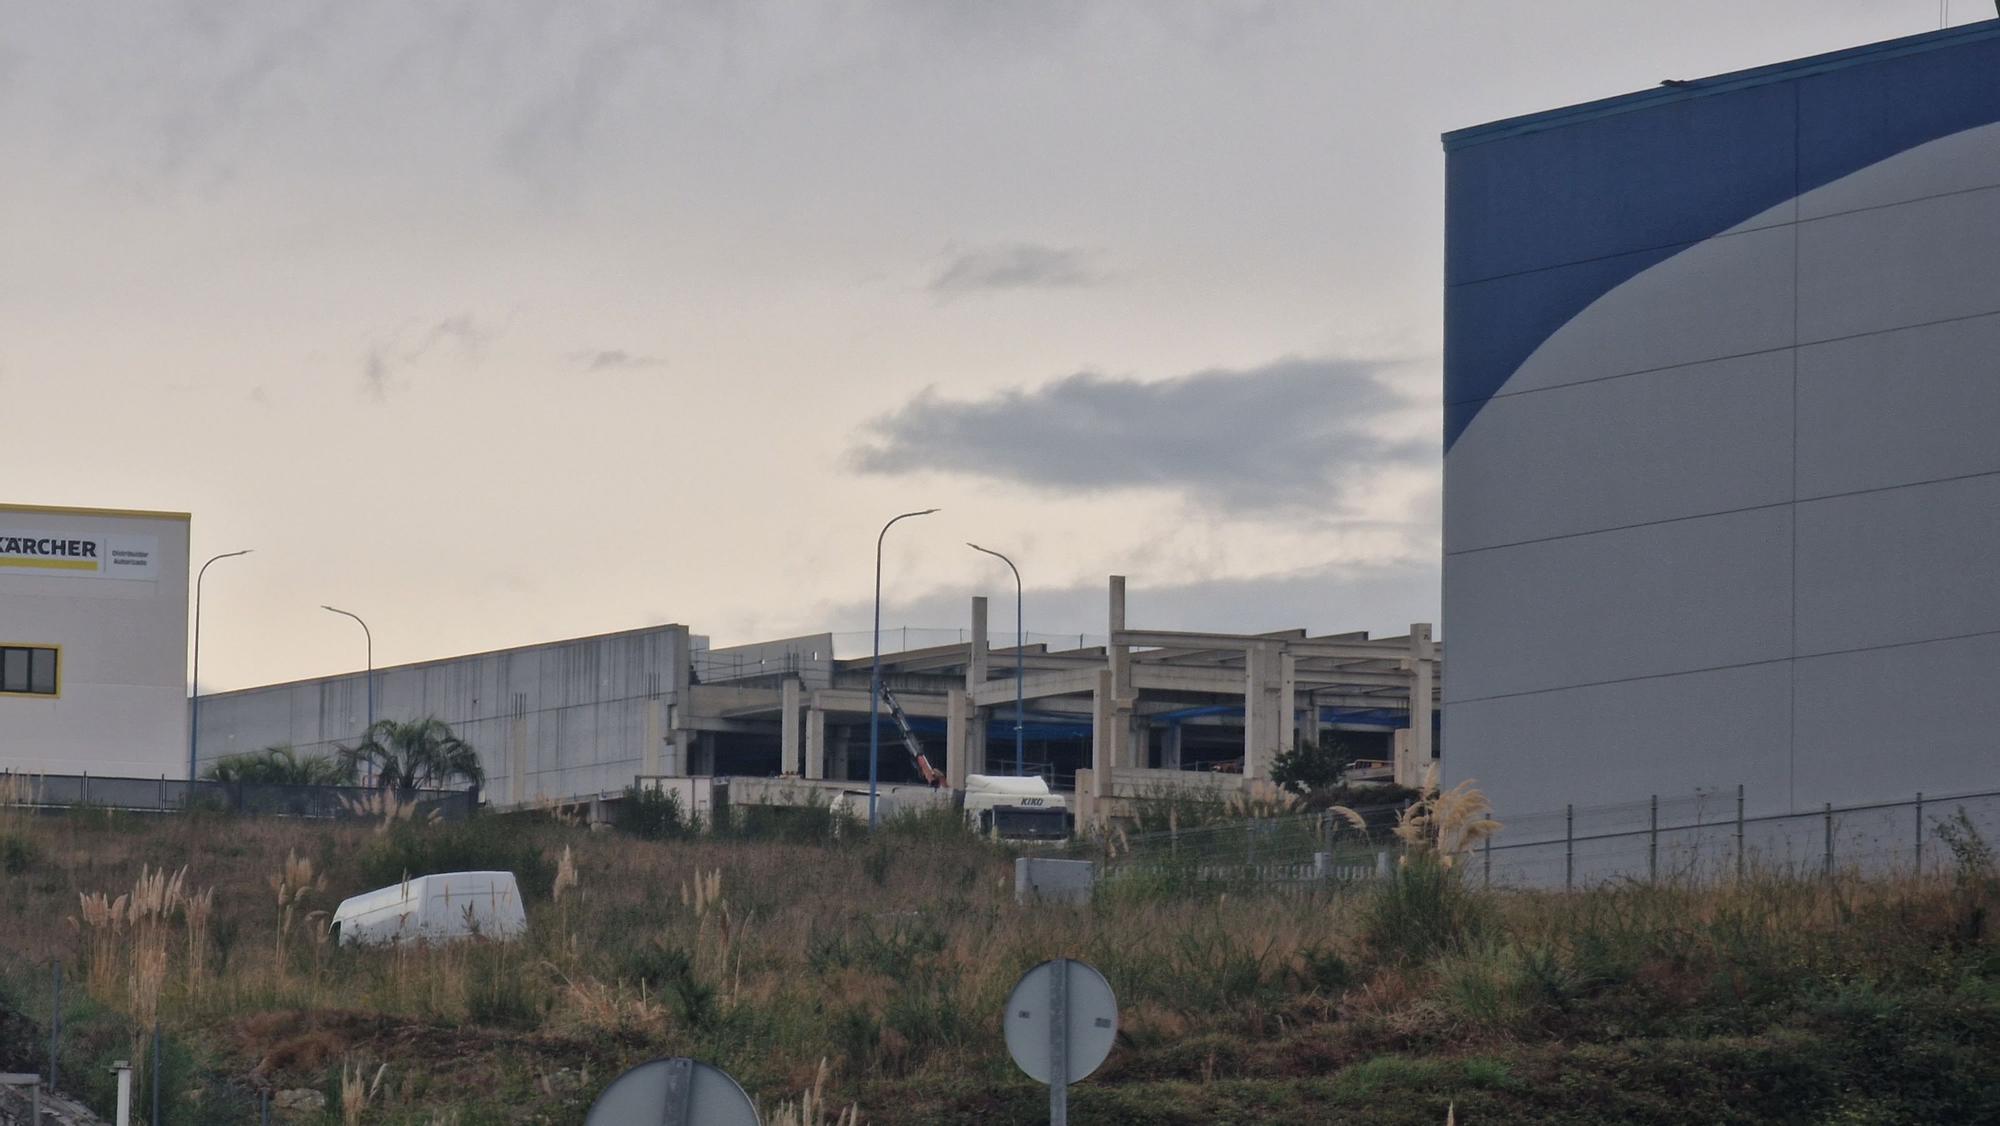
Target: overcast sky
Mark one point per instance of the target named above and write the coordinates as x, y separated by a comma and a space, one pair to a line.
504, 322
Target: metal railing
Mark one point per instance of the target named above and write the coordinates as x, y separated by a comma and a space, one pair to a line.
1704, 837
170, 795
1710, 837
1301, 848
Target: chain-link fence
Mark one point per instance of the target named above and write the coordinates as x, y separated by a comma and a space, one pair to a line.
1300, 850
1711, 836
1703, 837
168, 795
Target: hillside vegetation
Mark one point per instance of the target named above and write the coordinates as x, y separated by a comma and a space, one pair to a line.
876, 969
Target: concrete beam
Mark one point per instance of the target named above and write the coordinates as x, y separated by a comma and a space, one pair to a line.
1073, 683
1388, 649
711, 700
854, 701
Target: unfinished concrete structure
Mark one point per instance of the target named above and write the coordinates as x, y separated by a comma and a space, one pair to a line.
1148, 711
580, 719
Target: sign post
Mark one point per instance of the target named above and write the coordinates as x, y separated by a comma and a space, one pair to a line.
673, 1092
1062, 1019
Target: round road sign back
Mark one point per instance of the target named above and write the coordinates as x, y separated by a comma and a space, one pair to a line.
675, 1092
1083, 1039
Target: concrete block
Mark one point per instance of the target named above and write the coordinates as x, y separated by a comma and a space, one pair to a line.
1038, 880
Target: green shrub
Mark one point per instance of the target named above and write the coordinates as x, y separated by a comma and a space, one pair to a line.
482, 844
789, 824
17, 854
926, 1011
498, 993
652, 815
1423, 910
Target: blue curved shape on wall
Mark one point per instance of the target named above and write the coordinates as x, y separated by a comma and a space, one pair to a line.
1546, 214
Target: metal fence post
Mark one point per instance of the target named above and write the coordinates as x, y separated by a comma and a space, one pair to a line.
155, 1119
1059, 1044
1569, 847
264, 1108
1487, 848
1653, 845
1739, 831
1829, 840
1920, 832
85, 799
55, 1028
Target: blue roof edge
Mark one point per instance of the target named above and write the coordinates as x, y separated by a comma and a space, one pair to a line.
1720, 84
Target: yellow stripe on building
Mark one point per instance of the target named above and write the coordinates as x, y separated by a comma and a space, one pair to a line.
48, 564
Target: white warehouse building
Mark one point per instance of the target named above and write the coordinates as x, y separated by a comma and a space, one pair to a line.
93, 641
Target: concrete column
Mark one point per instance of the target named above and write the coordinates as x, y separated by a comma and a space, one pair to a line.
1407, 773
843, 743
1123, 700
977, 668
815, 743
1423, 670
656, 724
517, 760
788, 727
1170, 747
1101, 728
1264, 716
957, 725
1288, 701
680, 707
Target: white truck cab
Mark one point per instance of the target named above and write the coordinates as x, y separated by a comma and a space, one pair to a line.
1016, 809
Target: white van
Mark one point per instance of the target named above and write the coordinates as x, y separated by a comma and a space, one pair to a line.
440, 908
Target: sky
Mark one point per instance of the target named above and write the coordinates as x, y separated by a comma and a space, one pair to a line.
499, 323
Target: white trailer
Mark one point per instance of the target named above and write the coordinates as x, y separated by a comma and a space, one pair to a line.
439, 908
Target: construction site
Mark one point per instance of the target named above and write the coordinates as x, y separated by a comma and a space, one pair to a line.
789, 722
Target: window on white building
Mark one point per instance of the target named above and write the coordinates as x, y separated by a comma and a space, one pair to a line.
29, 670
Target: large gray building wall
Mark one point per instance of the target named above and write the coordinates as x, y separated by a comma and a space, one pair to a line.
559, 721
1736, 521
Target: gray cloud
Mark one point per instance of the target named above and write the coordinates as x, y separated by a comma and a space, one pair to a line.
1019, 265
460, 335
614, 359
1292, 434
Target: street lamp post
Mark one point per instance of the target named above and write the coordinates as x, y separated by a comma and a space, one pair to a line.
1020, 664
194, 695
875, 678
371, 660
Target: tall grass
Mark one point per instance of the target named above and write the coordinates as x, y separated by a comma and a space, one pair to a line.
871, 973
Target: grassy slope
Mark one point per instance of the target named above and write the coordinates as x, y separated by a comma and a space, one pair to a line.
1853, 1002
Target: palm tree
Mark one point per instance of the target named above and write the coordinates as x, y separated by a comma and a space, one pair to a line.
283, 765
420, 755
